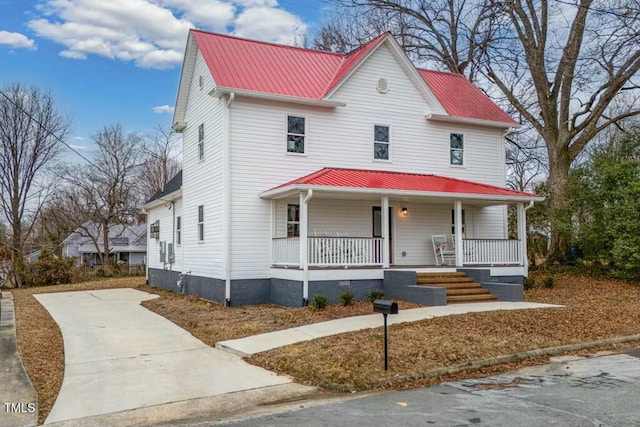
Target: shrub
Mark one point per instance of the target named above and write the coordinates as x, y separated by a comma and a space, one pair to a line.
347, 297
47, 270
319, 302
374, 295
528, 283
548, 282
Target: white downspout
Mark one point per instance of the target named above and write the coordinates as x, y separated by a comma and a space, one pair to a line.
226, 204
304, 247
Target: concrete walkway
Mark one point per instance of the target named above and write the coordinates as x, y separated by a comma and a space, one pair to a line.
121, 356
258, 343
17, 396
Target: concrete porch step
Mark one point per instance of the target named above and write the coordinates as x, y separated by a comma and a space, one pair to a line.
463, 285
443, 274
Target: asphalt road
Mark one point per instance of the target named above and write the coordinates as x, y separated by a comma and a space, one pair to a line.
602, 390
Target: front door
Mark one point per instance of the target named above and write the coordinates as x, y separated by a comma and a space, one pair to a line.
377, 227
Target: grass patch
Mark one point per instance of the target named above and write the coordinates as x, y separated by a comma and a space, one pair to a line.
594, 309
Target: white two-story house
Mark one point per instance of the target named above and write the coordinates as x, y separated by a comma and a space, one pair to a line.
308, 172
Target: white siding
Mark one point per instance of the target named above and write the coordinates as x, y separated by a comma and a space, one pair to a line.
165, 214
343, 137
202, 180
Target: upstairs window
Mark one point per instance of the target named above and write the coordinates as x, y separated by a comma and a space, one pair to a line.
293, 220
456, 142
381, 142
200, 223
178, 230
201, 142
296, 132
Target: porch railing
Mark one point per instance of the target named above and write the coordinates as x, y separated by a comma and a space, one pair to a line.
491, 251
347, 251
329, 251
286, 251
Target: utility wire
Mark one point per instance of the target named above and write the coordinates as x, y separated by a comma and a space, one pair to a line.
45, 129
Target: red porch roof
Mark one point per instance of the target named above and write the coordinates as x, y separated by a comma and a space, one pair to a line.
399, 181
256, 66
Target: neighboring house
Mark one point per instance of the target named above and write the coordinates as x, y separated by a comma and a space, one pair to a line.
127, 244
307, 172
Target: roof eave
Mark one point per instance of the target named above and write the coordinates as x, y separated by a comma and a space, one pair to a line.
173, 196
287, 190
222, 90
471, 121
186, 75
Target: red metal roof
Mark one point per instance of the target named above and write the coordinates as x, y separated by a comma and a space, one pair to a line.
385, 180
461, 98
257, 66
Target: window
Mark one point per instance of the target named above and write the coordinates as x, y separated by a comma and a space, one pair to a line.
453, 222
200, 223
381, 142
456, 141
293, 220
295, 134
178, 230
201, 142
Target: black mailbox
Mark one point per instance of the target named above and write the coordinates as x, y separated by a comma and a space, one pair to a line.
385, 306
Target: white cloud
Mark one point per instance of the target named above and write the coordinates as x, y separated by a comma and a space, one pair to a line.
152, 33
266, 23
78, 147
163, 109
16, 40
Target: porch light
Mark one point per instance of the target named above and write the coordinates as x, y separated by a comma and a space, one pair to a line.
403, 211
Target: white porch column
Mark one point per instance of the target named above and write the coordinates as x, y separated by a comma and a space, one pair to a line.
304, 232
384, 218
457, 206
272, 233
522, 237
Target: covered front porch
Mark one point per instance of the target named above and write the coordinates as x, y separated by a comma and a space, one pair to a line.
345, 220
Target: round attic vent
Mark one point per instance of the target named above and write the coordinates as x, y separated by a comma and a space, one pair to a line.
382, 86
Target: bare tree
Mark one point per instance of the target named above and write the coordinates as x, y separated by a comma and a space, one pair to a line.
31, 129
161, 160
562, 67
106, 192
445, 34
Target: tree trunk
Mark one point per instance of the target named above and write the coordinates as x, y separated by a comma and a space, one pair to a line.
559, 210
105, 243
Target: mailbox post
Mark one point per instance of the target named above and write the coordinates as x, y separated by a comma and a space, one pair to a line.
385, 307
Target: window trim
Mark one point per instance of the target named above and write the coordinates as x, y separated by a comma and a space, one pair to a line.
305, 135
451, 149
388, 159
200, 224
201, 137
453, 223
178, 230
294, 222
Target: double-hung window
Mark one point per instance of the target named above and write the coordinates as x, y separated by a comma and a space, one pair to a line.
456, 143
201, 142
201, 223
381, 142
178, 230
293, 220
296, 134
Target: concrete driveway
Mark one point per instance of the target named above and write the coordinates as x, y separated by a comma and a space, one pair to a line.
121, 356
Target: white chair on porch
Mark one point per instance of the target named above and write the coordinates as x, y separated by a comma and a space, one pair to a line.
443, 250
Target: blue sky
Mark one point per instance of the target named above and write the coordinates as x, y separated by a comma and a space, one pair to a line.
116, 61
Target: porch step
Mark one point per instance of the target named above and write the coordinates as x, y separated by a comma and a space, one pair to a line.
460, 288
471, 298
442, 279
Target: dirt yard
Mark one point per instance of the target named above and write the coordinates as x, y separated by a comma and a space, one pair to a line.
594, 309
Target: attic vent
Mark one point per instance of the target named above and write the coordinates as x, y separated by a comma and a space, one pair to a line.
201, 82
382, 86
